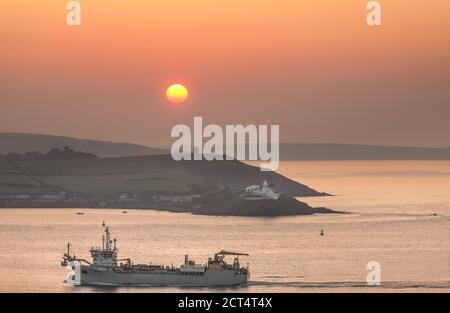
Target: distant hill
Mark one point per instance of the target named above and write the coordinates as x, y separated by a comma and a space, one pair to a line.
22, 143
302, 151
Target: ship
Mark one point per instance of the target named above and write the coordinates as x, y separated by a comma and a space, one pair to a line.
107, 269
264, 192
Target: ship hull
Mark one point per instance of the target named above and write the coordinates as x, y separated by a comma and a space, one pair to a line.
109, 277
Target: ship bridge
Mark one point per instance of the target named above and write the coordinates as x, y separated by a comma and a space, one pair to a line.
106, 255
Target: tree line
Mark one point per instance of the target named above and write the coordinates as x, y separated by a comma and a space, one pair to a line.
53, 154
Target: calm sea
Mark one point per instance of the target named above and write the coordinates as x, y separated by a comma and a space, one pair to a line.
399, 216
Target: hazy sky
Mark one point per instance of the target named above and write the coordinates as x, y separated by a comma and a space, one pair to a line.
313, 66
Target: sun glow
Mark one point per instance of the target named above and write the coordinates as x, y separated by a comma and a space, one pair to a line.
177, 93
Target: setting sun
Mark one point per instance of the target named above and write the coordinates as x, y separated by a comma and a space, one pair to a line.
177, 93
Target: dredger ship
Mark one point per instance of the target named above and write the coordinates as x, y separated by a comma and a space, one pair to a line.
107, 269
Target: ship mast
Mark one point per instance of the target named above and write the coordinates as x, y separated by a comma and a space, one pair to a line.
108, 244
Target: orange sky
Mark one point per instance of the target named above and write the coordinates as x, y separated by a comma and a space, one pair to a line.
313, 66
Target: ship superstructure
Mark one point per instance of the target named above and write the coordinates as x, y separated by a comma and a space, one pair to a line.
105, 268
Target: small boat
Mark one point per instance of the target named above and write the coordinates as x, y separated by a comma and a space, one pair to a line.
80, 213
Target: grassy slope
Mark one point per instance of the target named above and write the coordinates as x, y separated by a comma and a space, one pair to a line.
140, 174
